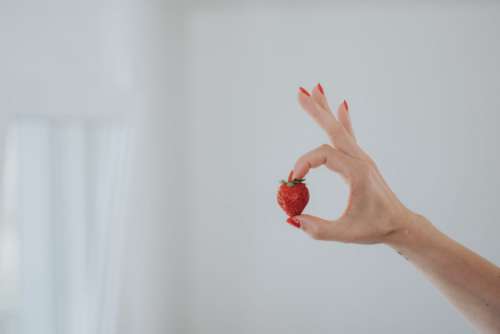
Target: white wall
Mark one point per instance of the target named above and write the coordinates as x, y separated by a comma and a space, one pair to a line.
3, 137
422, 82
112, 59
209, 89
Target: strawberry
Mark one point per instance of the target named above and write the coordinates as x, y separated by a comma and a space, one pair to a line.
293, 197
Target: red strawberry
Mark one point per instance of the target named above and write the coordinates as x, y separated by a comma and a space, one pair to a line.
293, 196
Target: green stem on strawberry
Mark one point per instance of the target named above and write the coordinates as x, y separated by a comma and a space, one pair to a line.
291, 182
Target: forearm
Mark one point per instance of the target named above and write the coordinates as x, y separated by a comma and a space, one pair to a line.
469, 281
374, 215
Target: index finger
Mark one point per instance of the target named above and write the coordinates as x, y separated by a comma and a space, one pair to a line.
323, 155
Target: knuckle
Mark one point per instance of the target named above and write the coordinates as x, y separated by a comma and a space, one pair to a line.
333, 128
365, 167
325, 148
317, 233
363, 171
300, 161
370, 161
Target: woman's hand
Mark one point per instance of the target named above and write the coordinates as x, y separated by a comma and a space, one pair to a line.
373, 214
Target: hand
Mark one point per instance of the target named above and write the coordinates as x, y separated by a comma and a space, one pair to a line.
373, 214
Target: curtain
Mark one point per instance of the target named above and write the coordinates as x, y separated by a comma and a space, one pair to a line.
62, 231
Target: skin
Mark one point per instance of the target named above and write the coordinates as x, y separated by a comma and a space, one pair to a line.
374, 215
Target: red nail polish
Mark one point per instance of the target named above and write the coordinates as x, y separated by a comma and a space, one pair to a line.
346, 106
290, 176
321, 89
294, 222
304, 91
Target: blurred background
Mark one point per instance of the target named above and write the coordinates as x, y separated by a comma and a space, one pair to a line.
141, 145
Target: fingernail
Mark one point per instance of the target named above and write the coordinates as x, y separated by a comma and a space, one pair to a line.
290, 176
302, 222
321, 89
294, 222
304, 91
346, 106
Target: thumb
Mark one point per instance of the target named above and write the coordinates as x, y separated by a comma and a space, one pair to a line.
314, 226
322, 229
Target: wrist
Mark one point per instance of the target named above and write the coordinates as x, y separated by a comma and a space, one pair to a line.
411, 229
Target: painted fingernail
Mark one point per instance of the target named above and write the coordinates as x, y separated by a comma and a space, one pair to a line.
304, 91
294, 222
321, 89
290, 176
346, 106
